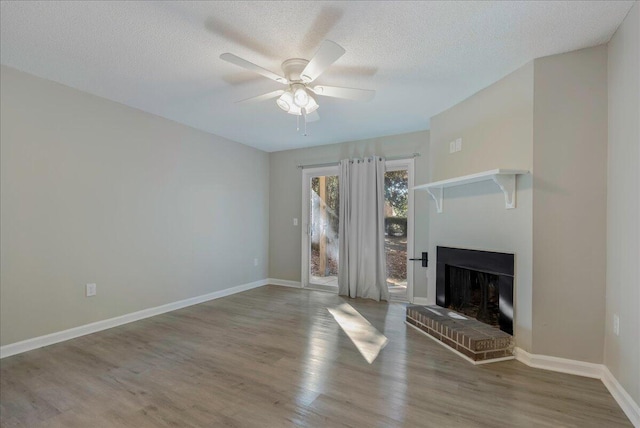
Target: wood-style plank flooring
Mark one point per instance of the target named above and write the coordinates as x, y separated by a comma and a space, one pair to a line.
273, 357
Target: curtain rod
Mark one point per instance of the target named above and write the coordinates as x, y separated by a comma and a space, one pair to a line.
318, 165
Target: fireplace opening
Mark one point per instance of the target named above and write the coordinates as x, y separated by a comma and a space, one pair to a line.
474, 294
478, 284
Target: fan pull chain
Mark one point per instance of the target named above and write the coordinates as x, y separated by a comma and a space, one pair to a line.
304, 116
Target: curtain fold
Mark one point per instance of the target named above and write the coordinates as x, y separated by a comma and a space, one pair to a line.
362, 264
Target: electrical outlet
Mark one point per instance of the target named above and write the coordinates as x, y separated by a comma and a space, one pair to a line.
92, 289
255, 262
616, 324
295, 221
455, 145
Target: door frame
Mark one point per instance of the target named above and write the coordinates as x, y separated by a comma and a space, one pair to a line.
307, 174
408, 164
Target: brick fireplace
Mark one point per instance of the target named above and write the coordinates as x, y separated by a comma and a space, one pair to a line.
474, 312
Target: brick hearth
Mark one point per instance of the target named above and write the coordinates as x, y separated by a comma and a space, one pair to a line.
474, 339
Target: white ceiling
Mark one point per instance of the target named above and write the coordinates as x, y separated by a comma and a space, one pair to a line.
420, 57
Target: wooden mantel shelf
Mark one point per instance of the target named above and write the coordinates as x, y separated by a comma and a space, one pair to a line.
504, 178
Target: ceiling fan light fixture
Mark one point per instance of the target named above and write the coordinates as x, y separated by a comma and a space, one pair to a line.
285, 102
295, 110
301, 96
311, 106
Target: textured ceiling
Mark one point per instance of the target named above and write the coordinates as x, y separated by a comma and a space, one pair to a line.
420, 57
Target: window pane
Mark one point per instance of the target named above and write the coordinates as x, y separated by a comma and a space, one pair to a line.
325, 200
395, 212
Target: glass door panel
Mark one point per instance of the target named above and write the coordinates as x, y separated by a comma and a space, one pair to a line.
396, 212
320, 245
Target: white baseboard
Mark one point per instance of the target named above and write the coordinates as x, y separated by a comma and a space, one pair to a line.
562, 365
629, 407
420, 301
284, 282
61, 336
581, 368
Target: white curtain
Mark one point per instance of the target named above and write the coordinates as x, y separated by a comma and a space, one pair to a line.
362, 269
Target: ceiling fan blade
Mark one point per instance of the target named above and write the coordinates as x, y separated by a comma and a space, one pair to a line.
233, 59
313, 116
346, 93
327, 54
262, 97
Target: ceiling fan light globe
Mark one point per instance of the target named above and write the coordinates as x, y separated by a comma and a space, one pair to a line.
285, 102
301, 97
295, 110
311, 106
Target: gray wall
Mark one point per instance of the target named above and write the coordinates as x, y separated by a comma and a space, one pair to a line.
496, 126
550, 117
93, 191
622, 353
286, 197
569, 204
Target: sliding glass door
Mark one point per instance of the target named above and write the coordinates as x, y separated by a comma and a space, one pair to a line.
320, 220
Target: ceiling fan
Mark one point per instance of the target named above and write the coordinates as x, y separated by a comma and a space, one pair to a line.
299, 96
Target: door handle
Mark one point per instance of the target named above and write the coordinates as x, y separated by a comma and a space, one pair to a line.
424, 259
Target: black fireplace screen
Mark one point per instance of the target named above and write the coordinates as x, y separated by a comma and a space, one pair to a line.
474, 294
478, 284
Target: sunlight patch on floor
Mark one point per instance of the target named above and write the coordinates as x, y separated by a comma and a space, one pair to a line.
366, 337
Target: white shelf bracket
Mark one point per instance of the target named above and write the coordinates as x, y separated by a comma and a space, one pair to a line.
504, 178
436, 194
507, 184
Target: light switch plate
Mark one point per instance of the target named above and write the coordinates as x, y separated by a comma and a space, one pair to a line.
91, 290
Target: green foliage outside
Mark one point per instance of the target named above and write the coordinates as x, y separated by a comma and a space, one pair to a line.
332, 191
396, 191
331, 198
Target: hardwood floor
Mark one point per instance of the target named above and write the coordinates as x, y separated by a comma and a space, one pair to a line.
274, 357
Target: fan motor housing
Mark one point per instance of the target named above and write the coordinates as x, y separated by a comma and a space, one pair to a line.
293, 67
